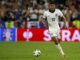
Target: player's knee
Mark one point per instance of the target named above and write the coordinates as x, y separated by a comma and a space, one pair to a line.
56, 43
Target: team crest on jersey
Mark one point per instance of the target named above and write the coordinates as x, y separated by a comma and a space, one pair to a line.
56, 15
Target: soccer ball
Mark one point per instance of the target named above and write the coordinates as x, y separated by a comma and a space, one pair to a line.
37, 52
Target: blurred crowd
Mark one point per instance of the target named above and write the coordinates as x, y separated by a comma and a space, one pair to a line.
27, 13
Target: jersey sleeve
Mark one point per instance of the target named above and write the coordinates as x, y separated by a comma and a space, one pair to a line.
60, 13
44, 15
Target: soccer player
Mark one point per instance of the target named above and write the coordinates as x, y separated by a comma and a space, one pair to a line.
51, 17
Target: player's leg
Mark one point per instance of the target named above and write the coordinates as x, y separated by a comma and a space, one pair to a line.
56, 41
55, 34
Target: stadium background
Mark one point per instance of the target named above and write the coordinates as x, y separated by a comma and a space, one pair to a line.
19, 21
21, 14
25, 15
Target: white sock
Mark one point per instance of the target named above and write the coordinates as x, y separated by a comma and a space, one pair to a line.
60, 49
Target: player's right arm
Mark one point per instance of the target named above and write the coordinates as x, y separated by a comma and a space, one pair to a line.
44, 20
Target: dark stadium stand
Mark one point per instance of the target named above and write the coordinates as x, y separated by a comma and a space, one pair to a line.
17, 13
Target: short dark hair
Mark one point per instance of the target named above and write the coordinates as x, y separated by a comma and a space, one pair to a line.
52, 2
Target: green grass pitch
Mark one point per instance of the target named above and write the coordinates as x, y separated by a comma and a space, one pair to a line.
24, 51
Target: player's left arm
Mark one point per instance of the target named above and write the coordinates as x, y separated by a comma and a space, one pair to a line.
65, 21
63, 18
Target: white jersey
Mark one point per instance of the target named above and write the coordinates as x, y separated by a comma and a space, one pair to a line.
53, 18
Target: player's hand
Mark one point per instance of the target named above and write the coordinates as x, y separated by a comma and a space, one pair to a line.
65, 26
